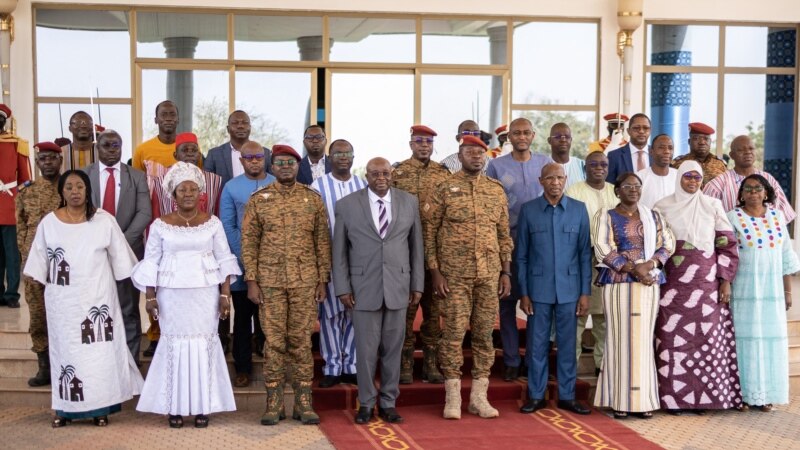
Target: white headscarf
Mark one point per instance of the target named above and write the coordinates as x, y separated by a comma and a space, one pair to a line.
180, 172
692, 217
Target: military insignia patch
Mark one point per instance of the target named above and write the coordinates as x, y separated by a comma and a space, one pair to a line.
454, 188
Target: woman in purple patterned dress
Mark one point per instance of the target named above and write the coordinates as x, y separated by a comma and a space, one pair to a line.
695, 343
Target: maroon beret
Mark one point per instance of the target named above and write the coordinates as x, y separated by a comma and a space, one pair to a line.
5, 110
280, 149
422, 130
700, 128
472, 140
47, 147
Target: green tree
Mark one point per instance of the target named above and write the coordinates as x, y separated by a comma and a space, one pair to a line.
756, 134
582, 130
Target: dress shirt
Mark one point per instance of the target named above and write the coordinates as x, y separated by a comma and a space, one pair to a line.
375, 208
104, 178
318, 169
236, 164
635, 156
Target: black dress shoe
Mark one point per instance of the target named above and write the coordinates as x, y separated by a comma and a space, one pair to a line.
329, 381
574, 406
533, 405
349, 378
389, 415
511, 373
13, 303
364, 415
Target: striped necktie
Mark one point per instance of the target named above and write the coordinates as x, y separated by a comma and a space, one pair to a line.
383, 219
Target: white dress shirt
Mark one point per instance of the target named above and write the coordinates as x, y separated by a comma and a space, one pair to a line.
104, 179
635, 156
318, 169
375, 208
236, 164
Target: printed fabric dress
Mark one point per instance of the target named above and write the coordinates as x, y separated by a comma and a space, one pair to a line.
92, 370
757, 303
188, 375
695, 344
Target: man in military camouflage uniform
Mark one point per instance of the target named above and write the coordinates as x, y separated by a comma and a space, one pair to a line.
468, 251
700, 151
419, 176
286, 255
36, 200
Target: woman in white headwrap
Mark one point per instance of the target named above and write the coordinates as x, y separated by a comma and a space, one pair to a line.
695, 344
186, 274
632, 243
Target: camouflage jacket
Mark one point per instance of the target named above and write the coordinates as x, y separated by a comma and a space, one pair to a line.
34, 201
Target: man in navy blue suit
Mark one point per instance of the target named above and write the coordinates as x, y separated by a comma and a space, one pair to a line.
224, 160
634, 156
554, 271
315, 164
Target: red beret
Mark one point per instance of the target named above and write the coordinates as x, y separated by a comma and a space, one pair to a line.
472, 140
422, 130
700, 128
184, 138
5, 110
47, 147
280, 149
62, 141
616, 117
502, 129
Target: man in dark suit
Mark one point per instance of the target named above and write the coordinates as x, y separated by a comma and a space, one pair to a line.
378, 270
224, 160
553, 265
635, 155
122, 191
315, 164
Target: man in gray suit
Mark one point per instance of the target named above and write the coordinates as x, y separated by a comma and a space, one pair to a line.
122, 191
224, 160
378, 270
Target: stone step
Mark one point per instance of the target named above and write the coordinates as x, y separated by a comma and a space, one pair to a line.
15, 340
794, 349
793, 327
794, 378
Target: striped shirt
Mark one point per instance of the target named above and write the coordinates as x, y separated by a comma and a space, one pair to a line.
333, 190
726, 188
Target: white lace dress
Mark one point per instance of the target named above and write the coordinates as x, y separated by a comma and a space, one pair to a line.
188, 375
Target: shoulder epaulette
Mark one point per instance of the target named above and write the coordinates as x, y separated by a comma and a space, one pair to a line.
495, 181
259, 191
24, 185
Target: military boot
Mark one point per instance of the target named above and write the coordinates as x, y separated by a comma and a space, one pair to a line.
478, 402
452, 400
303, 408
407, 366
274, 412
430, 369
42, 377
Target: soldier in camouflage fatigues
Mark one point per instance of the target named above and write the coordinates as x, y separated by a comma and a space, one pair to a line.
287, 260
419, 176
700, 151
468, 250
36, 200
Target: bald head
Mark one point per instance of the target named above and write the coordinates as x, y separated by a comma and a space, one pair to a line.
553, 180
379, 176
743, 152
252, 147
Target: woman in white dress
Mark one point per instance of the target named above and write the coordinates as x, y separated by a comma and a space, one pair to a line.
79, 253
186, 274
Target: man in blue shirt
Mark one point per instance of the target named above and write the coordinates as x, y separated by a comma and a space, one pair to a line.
234, 197
518, 171
553, 267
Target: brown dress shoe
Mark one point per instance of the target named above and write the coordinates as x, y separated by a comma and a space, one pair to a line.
242, 380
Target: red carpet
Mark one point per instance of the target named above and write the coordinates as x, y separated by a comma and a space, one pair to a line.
424, 428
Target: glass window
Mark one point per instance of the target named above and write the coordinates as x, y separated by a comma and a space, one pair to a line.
373, 40
581, 124
551, 44
746, 46
279, 114
683, 45
745, 114
53, 122
463, 42
201, 97
181, 35
448, 100
373, 132
275, 38
62, 35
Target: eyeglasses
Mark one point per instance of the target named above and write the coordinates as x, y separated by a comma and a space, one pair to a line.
753, 188
632, 187
689, 176
114, 145
314, 137
559, 137
377, 174
596, 164
255, 156
420, 140
284, 162
476, 133
342, 155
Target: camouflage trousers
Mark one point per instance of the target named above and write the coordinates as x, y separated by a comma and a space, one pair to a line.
287, 318
34, 295
471, 303
430, 330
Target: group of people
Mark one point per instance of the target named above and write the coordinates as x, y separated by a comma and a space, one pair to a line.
679, 271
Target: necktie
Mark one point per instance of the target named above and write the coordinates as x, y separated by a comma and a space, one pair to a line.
383, 219
640, 162
109, 197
